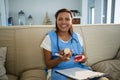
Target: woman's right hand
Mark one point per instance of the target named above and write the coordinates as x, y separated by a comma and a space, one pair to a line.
63, 56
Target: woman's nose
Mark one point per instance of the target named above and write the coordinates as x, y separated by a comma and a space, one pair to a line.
63, 21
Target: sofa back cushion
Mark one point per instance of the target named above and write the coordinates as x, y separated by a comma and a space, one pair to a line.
7, 38
101, 41
28, 51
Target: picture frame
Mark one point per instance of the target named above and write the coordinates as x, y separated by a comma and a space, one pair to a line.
75, 13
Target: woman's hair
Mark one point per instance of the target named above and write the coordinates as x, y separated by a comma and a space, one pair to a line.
56, 15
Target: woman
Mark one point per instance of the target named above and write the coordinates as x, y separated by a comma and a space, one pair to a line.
57, 41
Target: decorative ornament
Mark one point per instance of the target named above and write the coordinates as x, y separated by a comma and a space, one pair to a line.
30, 20
21, 16
47, 20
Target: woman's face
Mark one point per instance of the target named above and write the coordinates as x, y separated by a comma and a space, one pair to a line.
64, 21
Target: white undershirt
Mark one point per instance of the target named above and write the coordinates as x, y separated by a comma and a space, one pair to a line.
46, 44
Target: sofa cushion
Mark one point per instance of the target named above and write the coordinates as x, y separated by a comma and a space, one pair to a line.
33, 74
12, 77
101, 42
112, 67
3, 75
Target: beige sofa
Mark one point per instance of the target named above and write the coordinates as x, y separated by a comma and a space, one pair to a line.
24, 59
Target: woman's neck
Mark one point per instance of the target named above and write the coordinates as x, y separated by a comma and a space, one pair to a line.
64, 36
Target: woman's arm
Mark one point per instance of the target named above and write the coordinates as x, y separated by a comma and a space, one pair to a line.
46, 45
50, 63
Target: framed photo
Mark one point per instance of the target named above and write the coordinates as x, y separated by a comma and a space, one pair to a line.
75, 13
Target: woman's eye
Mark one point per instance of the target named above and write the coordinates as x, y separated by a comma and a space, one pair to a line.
67, 19
60, 19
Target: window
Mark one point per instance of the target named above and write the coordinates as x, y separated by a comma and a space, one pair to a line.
91, 15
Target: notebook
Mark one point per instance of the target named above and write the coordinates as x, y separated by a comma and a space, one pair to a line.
80, 74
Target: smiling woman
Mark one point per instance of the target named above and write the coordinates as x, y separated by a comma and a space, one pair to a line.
62, 40
59, 41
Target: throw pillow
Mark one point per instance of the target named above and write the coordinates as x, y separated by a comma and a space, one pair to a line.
3, 75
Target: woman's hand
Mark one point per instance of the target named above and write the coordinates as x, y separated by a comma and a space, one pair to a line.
80, 58
64, 56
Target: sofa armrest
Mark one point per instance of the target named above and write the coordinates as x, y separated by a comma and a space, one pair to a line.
35, 74
112, 67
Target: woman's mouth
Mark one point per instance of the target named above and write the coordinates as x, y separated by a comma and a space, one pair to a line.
64, 26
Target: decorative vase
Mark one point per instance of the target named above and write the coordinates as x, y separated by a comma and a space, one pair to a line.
21, 17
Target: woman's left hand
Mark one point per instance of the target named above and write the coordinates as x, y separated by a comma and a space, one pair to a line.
80, 58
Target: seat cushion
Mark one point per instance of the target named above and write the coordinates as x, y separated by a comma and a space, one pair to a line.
33, 74
12, 77
3, 75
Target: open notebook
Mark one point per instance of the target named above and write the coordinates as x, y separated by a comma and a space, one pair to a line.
80, 74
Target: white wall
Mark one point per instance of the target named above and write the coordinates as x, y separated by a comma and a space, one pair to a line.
38, 8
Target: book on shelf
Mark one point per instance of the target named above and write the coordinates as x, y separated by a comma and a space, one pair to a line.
80, 74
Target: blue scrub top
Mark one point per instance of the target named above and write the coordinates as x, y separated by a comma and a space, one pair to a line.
73, 44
